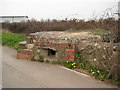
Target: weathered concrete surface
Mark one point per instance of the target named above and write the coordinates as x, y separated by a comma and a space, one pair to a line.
102, 55
18, 73
92, 47
61, 37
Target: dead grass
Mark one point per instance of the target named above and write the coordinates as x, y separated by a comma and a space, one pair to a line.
99, 32
5, 31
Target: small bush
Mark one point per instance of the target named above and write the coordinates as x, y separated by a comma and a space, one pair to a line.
30, 26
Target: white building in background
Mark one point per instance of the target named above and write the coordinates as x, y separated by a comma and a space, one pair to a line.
119, 9
12, 19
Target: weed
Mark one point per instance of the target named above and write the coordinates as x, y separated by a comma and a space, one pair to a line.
54, 62
47, 61
39, 58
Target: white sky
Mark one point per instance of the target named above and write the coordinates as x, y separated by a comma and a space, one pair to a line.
55, 8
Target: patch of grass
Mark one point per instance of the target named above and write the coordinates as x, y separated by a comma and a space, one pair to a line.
12, 39
47, 61
55, 62
39, 58
99, 32
0, 38
104, 34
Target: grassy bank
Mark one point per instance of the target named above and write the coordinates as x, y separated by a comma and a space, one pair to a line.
11, 39
84, 66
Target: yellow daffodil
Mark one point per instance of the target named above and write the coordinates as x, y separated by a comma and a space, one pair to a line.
74, 66
98, 71
93, 72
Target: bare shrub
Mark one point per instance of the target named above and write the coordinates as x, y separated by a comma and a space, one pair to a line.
60, 25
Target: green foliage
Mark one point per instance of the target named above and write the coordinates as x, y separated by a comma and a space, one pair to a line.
70, 64
106, 37
11, 39
0, 38
54, 62
80, 63
39, 58
47, 61
99, 32
101, 74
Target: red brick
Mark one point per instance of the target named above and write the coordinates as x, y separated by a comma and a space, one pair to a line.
72, 56
29, 53
71, 59
42, 44
53, 44
63, 45
49, 44
19, 55
20, 49
46, 44
36, 44
70, 50
39, 44
73, 46
26, 54
70, 53
58, 45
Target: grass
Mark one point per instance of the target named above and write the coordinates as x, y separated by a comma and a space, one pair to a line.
104, 34
0, 38
99, 32
11, 39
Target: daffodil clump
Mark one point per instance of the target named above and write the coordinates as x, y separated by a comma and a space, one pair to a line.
84, 64
70, 64
80, 63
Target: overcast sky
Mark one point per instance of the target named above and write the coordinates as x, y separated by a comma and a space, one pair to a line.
58, 9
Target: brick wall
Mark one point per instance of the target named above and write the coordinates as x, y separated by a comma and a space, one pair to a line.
69, 49
24, 54
69, 52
